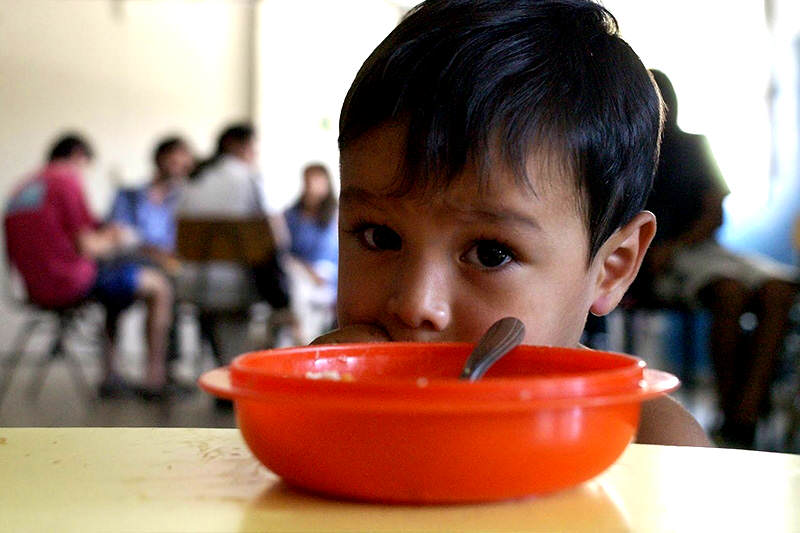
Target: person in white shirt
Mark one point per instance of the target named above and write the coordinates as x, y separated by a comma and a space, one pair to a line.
227, 186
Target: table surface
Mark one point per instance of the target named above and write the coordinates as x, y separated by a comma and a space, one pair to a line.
176, 479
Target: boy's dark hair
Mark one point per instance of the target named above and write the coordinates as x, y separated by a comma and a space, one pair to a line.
550, 77
165, 146
67, 145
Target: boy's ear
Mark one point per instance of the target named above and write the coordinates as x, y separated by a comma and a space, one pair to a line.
618, 261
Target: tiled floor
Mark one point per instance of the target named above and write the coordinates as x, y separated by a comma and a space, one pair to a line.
62, 402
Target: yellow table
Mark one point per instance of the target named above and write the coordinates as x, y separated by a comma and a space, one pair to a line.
111, 479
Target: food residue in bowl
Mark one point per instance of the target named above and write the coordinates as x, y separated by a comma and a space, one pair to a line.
332, 375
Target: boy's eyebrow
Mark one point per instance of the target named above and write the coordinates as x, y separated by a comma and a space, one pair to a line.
351, 194
499, 215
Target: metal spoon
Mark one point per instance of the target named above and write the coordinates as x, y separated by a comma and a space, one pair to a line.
502, 337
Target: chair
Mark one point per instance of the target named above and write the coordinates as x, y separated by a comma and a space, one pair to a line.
685, 335
66, 320
246, 242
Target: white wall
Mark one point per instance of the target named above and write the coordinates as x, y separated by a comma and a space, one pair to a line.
308, 54
124, 72
128, 71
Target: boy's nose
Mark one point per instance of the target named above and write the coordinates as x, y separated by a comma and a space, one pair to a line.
419, 298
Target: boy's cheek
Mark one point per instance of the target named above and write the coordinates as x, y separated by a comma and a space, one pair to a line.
362, 291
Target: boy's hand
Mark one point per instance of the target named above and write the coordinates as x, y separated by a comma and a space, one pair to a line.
354, 333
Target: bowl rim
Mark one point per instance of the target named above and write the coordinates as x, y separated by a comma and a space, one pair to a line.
566, 384
595, 387
653, 384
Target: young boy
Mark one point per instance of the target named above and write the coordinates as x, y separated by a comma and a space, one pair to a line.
495, 158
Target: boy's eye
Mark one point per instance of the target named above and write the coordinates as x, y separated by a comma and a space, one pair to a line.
380, 238
488, 254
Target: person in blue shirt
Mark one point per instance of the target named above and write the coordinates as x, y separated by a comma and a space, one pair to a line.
313, 253
150, 210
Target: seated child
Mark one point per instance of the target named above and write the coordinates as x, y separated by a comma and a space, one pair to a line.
495, 159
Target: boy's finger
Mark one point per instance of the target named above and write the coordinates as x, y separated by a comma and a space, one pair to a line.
355, 333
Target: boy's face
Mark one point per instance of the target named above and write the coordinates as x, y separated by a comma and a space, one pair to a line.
445, 266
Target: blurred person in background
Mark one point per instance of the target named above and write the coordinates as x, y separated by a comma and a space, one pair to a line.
150, 211
229, 186
687, 266
313, 254
66, 257
228, 183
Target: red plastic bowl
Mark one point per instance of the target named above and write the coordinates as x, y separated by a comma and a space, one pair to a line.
398, 427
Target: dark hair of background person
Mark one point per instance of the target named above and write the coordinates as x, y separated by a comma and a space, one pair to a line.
232, 136
553, 76
669, 97
165, 147
66, 146
327, 208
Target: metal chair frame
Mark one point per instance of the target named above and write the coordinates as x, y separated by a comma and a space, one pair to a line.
67, 321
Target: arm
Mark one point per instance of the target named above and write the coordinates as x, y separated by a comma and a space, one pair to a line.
665, 421
296, 263
660, 254
122, 210
710, 220
99, 243
161, 257
91, 240
708, 181
280, 231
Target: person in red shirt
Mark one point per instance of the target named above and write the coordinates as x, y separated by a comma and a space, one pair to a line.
66, 257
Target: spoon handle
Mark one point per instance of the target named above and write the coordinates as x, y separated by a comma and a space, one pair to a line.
502, 337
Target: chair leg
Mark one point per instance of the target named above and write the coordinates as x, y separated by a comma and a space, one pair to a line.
55, 351
75, 369
207, 334
629, 331
688, 364
58, 350
793, 426
17, 353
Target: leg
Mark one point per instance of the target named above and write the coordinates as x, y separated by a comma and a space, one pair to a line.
773, 301
726, 300
272, 284
207, 321
173, 343
109, 368
154, 288
112, 385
